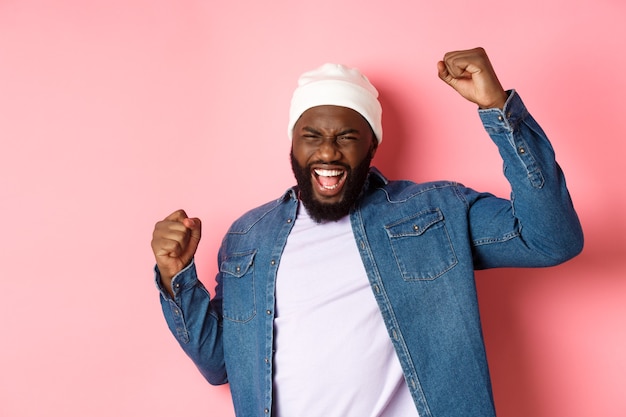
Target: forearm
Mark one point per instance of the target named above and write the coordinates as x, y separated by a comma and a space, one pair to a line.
541, 212
193, 319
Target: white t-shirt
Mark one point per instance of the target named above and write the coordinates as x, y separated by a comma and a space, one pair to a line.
333, 353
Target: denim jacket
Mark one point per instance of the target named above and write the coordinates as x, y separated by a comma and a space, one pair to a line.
420, 245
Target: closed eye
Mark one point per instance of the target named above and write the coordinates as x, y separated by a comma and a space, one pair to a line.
347, 135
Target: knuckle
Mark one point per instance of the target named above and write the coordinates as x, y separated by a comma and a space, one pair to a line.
172, 247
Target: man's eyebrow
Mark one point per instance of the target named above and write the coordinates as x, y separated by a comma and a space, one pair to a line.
311, 130
348, 131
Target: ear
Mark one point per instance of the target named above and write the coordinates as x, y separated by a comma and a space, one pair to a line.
374, 147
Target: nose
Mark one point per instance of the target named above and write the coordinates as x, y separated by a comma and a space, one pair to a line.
328, 150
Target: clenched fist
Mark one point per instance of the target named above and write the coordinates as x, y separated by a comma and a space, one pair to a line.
470, 73
174, 242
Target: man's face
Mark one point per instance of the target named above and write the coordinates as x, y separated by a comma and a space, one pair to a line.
331, 153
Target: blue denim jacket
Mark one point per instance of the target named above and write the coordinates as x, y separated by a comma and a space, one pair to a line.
420, 244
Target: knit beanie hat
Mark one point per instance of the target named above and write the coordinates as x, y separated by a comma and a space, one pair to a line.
337, 85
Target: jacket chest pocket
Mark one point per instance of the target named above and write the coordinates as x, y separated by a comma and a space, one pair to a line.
421, 246
238, 303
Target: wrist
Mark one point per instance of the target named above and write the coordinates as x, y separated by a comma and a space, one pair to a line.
497, 103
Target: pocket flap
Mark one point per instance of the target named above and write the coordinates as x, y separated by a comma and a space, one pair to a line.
415, 225
238, 264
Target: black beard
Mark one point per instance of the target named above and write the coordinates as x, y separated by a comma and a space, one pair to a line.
323, 212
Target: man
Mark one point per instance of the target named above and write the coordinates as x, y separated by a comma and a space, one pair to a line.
352, 295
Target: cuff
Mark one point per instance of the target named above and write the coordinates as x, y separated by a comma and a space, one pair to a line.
507, 118
184, 279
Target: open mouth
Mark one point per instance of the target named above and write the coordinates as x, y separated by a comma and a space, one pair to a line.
329, 180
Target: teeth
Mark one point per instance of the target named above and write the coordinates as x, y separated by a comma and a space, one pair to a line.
328, 172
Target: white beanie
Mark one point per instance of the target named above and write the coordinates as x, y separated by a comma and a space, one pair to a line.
337, 85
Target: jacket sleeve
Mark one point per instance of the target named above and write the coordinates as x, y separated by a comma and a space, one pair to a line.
195, 320
538, 226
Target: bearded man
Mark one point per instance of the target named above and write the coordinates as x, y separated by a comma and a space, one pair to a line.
353, 295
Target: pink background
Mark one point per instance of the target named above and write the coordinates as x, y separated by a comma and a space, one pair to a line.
115, 113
